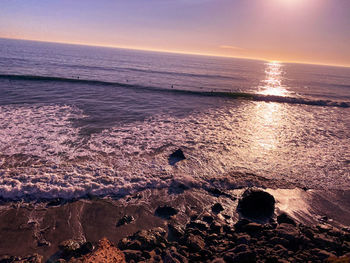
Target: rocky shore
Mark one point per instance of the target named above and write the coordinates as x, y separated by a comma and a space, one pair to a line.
212, 235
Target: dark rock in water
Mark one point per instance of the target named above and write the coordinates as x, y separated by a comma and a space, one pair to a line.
177, 188
256, 204
56, 202
176, 156
125, 220
217, 192
217, 208
165, 211
284, 218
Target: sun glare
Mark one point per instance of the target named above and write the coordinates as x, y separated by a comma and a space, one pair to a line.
272, 84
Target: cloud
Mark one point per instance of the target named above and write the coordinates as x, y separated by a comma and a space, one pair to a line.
231, 47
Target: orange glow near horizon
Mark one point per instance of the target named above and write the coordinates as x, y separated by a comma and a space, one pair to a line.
298, 31
186, 52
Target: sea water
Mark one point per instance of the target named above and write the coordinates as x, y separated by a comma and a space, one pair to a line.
79, 120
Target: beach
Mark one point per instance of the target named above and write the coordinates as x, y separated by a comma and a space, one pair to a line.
42, 228
157, 151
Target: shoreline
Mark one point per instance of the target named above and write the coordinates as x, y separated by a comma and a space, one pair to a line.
41, 228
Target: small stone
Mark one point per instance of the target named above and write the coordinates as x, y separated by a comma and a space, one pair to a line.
175, 231
207, 218
132, 255
322, 254
69, 246
127, 219
217, 208
195, 243
197, 224
216, 227
243, 239
165, 212
284, 218
240, 248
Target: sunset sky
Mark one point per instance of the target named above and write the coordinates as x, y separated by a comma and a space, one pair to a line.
312, 31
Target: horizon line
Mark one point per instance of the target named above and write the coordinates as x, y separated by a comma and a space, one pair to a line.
177, 52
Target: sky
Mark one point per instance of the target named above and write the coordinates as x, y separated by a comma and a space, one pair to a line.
307, 31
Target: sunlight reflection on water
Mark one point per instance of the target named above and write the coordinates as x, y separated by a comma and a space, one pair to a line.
272, 84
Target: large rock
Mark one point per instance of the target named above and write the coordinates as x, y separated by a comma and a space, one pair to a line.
256, 204
105, 252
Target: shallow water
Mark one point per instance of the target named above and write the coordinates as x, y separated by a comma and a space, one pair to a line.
80, 120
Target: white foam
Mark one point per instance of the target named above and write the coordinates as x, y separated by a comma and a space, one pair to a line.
43, 131
256, 137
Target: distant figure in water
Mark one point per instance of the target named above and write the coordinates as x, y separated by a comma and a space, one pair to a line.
172, 86
127, 80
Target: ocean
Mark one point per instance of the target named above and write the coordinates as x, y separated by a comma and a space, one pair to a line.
81, 120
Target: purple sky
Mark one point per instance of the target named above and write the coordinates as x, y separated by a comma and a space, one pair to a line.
313, 31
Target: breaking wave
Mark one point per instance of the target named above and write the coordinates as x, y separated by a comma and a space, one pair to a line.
233, 95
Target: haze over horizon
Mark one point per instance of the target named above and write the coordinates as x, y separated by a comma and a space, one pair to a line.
306, 31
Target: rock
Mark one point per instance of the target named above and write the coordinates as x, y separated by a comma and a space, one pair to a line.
287, 231
176, 156
175, 231
241, 223
243, 239
218, 260
177, 187
284, 218
207, 218
70, 248
342, 259
252, 228
197, 224
165, 212
217, 192
322, 254
217, 208
132, 255
86, 248
240, 248
216, 227
125, 220
56, 202
195, 243
256, 204
145, 240
105, 252
35, 258
242, 257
